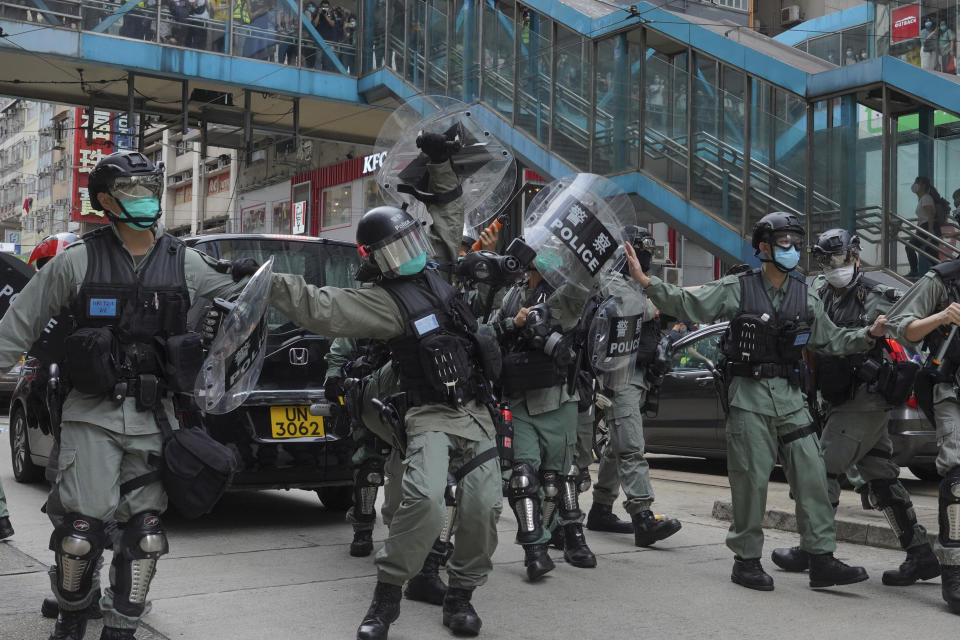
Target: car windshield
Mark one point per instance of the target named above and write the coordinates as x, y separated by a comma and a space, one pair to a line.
694, 355
320, 264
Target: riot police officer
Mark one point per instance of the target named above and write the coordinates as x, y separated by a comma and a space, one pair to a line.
773, 316
433, 341
622, 463
854, 388
929, 311
126, 283
371, 453
542, 485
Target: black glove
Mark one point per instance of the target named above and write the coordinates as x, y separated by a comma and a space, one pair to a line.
242, 268
436, 146
210, 326
333, 390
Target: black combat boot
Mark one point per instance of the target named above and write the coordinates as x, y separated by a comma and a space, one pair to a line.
793, 559
112, 633
6, 529
556, 538
71, 625
951, 586
427, 586
458, 614
750, 574
537, 561
827, 571
602, 518
575, 549
647, 528
921, 564
383, 611
50, 608
362, 544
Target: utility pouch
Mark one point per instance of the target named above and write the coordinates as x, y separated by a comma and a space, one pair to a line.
529, 370
446, 365
184, 358
91, 356
148, 391
896, 379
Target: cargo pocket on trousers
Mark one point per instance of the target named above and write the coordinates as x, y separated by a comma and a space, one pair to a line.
67, 480
737, 457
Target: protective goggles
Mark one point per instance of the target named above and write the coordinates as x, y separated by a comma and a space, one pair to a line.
835, 260
397, 252
137, 187
646, 242
786, 239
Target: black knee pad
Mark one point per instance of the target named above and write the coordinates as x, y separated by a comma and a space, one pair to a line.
78, 543
134, 564
583, 480
524, 490
570, 497
949, 515
368, 480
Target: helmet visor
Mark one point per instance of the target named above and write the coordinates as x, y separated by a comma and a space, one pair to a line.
786, 239
399, 251
137, 187
835, 260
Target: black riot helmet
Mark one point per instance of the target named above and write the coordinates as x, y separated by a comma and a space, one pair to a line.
835, 248
134, 181
643, 243
777, 225
393, 241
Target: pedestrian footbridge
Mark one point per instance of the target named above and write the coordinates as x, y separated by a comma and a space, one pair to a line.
711, 125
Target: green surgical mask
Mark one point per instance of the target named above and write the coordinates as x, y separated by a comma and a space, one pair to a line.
140, 213
413, 265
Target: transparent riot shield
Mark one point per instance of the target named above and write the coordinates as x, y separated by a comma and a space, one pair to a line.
613, 339
486, 167
576, 226
233, 363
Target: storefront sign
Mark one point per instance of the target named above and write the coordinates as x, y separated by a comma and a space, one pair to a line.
86, 156
373, 162
905, 23
299, 217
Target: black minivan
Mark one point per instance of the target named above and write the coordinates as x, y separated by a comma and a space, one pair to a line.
281, 445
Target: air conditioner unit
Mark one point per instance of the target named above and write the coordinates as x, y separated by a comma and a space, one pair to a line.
673, 275
790, 16
659, 253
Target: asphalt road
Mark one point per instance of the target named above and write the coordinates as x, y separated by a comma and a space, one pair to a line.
274, 564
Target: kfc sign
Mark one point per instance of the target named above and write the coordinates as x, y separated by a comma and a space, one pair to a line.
86, 156
905, 23
373, 162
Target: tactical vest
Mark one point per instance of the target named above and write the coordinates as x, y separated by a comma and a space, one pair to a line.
837, 376
140, 310
433, 357
529, 369
761, 341
649, 339
949, 274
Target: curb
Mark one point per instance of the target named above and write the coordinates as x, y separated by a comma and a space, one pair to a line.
847, 530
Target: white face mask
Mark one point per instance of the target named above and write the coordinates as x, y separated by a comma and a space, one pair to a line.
841, 276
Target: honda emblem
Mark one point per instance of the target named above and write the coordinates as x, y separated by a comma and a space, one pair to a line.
299, 356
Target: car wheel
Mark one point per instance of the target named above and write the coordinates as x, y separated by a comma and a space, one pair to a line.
926, 472
23, 468
336, 498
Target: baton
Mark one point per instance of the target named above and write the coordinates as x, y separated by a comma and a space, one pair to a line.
940, 359
494, 227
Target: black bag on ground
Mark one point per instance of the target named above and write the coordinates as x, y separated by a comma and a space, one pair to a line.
195, 469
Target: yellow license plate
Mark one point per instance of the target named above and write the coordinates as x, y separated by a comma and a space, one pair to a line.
295, 422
